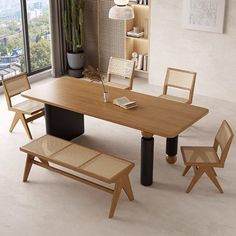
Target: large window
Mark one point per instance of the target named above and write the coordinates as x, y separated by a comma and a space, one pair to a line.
24, 36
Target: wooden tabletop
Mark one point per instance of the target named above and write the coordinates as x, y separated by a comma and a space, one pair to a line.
152, 115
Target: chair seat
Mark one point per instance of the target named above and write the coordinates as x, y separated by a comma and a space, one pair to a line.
28, 107
199, 155
174, 98
116, 85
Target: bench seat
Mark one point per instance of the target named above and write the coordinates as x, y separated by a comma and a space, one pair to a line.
89, 162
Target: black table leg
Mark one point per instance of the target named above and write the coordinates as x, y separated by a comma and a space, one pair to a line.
147, 147
63, 123
171, 149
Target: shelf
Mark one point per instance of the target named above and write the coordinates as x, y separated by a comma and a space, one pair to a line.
141, 38
140, 45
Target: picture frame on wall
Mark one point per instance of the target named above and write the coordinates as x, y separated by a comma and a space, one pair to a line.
204, 15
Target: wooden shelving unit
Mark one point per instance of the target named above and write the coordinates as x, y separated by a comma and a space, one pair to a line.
138, 45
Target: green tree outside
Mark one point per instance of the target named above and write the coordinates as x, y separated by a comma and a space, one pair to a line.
40, 54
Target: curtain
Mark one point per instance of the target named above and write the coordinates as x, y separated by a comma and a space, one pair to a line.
59, 61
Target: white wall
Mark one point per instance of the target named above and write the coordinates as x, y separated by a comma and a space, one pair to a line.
211, 55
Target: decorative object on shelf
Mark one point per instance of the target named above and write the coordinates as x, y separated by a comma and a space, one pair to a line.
204, 15
134, 34
121, 11
135, 58
73, 21
94, 75
136, 29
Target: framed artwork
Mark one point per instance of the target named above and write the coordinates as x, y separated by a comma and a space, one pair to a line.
204, 15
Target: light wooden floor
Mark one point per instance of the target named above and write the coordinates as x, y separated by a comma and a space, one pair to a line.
54, 205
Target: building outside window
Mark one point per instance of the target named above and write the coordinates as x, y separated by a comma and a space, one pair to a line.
24, 37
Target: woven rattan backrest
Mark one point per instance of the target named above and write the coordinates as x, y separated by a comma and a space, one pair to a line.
16, 85
180, 79
223, 140
121, 67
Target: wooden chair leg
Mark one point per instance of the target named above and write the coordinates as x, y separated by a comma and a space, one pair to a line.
210, 173
214, 171
115, 198
14, 122
195, 178
22, 118
195, 169
28, 165
127, 188
186, 170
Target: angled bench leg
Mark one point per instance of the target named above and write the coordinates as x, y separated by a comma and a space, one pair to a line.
127, 188
28, 165
14, 122
115, 198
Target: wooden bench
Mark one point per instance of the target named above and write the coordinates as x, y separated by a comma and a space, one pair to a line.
81, 159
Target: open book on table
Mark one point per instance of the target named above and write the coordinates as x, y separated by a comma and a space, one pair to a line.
124, 102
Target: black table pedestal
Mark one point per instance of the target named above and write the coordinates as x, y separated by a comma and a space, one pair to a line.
63, 123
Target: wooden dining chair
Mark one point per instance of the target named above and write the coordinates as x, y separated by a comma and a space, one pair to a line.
13, 86
205, 159
119, 67
180, 80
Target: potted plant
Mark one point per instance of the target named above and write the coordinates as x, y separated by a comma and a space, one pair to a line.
74, 32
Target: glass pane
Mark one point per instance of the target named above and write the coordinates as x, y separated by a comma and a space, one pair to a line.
39, 33
11, 38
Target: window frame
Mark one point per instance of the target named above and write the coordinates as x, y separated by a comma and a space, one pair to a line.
26, 41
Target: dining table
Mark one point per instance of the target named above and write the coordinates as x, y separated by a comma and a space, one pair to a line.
67, 100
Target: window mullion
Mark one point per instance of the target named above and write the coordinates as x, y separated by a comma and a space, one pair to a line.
25, 36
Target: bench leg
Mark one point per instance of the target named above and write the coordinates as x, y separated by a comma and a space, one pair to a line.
28, 165
115, 198
127, 188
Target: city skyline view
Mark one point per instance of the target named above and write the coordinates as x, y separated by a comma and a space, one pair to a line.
13, 36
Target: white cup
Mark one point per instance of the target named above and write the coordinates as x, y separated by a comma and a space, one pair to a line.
136, 29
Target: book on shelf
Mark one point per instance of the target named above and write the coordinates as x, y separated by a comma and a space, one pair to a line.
124, 102
140, 62
145, 62
134, 34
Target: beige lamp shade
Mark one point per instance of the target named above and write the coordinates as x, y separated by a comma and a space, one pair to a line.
121, 11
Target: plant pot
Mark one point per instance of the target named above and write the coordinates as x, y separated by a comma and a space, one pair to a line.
75, 60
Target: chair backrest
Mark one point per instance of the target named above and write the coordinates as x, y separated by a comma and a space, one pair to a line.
14, 86
121, 67
223, 140
180, 79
